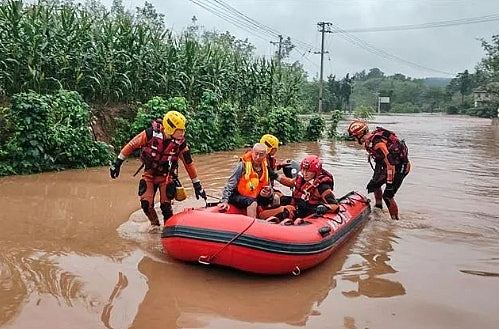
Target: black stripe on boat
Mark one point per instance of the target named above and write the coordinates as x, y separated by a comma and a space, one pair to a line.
258, 243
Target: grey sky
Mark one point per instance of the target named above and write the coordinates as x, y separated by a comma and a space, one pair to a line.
449, 49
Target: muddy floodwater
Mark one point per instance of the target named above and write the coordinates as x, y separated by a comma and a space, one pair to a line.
73, 252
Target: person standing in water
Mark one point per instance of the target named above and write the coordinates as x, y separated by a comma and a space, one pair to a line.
162, 145
391, 160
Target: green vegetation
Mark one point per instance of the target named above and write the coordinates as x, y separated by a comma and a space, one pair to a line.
485, 79
116, 56
56, 57
336, 117
315, 128
363, 112
49, 132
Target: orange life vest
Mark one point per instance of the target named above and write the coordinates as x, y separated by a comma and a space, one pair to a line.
250, 184
308, 190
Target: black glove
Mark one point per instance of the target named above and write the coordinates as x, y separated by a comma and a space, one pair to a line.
372, 186
114, 170
273, 175
198, 190
285, 163
321, 210
389, 191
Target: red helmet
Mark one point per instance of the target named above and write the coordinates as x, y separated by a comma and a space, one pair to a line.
358, 128
311, 163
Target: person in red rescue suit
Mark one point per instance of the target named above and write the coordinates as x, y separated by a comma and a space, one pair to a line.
249, 178
391, 162
313, 187
162, 145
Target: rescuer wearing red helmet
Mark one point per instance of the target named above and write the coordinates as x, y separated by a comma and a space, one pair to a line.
392, 164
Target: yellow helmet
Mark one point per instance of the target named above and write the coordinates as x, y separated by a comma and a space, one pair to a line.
270, 141
172, 121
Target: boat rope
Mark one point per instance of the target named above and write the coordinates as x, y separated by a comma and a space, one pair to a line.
363, 198
206, 260
296, 271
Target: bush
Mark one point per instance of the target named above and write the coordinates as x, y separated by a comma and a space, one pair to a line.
155, 108
50, 132
482, 112
282, 122
315, 128
452, 109
405, 108
336, 116
203, 126
72, 143
228, 131
364, 112
251, 124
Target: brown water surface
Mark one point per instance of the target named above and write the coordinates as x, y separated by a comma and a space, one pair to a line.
73, 253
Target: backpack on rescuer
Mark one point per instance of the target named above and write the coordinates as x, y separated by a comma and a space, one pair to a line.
159, 154
397, 149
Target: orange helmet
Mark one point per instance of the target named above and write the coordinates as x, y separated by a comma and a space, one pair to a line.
358, 128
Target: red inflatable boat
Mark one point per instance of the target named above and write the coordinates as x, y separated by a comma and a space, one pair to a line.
235, 240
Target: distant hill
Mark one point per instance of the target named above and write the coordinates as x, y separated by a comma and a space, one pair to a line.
437, 82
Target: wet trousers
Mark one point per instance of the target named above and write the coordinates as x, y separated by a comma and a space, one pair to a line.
148, 186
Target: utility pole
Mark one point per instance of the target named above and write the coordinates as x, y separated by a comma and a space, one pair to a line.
279, 43
324, 27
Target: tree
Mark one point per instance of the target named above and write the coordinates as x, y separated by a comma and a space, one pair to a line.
286, 47
399, 76
346, 91
375, 73
192, 31
360, 76
151, 17
333, 93
490, 63
464, 80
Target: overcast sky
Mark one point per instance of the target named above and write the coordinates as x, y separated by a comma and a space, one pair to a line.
448, 49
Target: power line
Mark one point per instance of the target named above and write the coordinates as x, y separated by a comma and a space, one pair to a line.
235, 17
255, 22
381, 52
430, 25
230, 18
223, 8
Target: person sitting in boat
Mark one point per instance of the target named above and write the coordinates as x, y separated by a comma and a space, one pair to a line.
313, 186
272, 144
271, 206
162, 145
249, 177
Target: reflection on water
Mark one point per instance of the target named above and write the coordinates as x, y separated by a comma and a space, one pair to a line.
238, 296
372, 263
73, 254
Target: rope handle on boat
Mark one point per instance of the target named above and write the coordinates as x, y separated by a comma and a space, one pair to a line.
296, 271
333, 218
206, 260
362, 199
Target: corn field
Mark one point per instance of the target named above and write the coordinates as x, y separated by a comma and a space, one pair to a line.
118, 56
